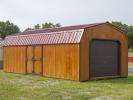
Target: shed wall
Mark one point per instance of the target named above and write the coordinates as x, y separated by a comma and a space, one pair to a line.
59, 61
14, 59
107, 32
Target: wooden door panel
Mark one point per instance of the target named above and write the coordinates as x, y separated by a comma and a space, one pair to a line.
34, 60
38, 60
29, 52
37, 67
38, 53
29, 67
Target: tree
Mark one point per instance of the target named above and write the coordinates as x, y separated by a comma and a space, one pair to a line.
37, 26
128, 29
50, 25
8, 28
44, 25
28, 29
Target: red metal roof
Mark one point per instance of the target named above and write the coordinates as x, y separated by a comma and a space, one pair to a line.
69, 34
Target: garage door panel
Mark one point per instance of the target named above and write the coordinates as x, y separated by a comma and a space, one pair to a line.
104, 58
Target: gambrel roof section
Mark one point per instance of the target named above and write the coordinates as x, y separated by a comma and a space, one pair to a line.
62, 35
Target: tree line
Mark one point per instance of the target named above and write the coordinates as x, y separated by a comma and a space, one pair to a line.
8, 28
128, 29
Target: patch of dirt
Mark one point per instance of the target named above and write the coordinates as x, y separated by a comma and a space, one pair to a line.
87, 93
66, 98
106, 98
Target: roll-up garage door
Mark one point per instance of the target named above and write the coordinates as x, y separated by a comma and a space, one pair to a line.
104, 58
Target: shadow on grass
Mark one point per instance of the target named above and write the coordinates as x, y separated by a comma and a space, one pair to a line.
126, 80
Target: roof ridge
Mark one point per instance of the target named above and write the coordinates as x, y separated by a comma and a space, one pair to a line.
68, 26
64, 28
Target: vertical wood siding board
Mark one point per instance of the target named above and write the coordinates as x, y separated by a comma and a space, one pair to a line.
57, 60
44, 63
4, 59
75, 63
4, 67
61, 61
18, 59
46, 57
20, 64
53, 61
50, 62
66, 57
23, 60
26, 60
64, 60
68, 62
7, 60
71, 61
12, 68
49, 68
78, 61
11, 61
57, 64
42, 60
46, 60
82, 51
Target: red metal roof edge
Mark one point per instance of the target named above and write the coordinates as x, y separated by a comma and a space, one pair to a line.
65, 28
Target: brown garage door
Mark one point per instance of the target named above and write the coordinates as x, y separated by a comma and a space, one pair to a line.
104, 58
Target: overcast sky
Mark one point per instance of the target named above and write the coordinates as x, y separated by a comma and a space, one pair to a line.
26, 13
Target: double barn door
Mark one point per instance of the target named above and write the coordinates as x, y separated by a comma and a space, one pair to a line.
34, 64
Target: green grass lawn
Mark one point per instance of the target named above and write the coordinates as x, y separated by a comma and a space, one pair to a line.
29, 87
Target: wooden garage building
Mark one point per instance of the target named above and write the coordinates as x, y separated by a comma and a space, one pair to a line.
81, 52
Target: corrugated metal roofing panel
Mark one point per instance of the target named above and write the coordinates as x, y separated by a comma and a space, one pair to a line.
71, 36
51, 30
